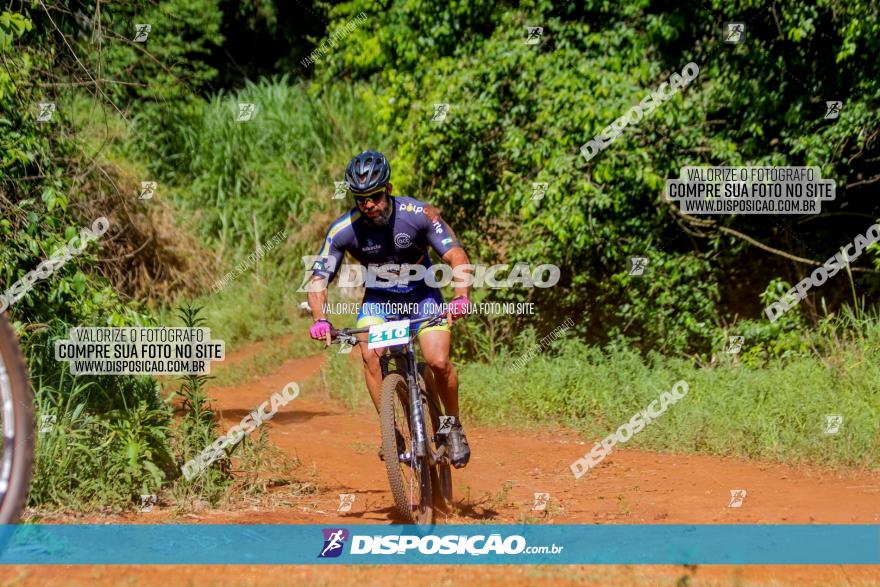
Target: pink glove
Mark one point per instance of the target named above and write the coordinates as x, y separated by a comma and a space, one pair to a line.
320, 329
458, 307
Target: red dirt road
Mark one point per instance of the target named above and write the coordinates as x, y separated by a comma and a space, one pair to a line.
337, 449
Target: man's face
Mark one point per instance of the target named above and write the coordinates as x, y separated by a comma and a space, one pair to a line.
375, 207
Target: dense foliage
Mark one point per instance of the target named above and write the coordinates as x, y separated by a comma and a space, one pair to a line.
111, 440
520, 112
41, 211
166, 109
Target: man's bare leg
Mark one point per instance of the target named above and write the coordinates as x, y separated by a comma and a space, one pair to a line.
372, 370
435, 348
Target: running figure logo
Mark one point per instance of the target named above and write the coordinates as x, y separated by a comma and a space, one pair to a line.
734, 32
246, 111
346, 500
47, 423
142, 31
47, 109
446, 424
539, 188
833, 109
440, 112
833, 423
147, 190
541, 501
734, 344
340, 188
638, 265
334, 539
147, 502
737, 497
534, 34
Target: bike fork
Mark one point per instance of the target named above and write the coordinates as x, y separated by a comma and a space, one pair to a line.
416, 408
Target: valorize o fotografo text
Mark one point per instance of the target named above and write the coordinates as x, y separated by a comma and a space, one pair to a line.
750, 190
105, 350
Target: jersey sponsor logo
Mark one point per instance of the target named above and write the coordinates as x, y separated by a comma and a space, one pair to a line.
411, 208
438, 227
446, 241
371, 246
402, 240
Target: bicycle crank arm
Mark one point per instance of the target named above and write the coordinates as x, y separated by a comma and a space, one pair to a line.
440, 455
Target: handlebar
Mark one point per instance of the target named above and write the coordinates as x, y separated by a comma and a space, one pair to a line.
344, 333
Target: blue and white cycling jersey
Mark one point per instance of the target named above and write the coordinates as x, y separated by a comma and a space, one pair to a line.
403, 240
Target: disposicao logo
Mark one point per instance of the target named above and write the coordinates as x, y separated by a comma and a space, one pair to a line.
334, 539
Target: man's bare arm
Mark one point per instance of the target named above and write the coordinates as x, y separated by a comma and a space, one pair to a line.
455, 257
317, 297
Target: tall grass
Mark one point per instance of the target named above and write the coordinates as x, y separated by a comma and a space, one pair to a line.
198, 429
276, 171
250, 309
101, 441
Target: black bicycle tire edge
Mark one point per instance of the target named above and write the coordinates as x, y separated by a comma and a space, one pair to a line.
23, 408
389, 447
440, 501
437, 471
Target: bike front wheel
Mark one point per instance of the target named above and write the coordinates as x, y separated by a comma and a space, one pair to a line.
17, 424
408, 474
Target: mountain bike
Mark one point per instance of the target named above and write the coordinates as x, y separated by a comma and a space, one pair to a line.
17, 425
413, 427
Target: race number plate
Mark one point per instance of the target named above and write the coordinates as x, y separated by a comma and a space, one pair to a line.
388, 334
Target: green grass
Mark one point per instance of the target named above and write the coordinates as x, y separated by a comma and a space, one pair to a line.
775, 411
268, 360
342, 375
249, 310
97, 454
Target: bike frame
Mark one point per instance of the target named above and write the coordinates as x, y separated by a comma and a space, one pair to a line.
404, 357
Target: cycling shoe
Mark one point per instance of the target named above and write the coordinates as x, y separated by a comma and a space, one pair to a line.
458, 444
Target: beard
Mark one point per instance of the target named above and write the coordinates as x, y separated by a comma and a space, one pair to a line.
381, 219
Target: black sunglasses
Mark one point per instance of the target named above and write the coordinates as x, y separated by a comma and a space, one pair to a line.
376, 198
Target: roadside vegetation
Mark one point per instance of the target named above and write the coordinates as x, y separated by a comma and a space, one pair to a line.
747, 405
167, 112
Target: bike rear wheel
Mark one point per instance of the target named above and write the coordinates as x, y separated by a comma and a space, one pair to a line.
441, 472
17, 425
409, 475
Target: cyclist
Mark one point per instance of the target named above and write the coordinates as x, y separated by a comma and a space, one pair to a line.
383, 229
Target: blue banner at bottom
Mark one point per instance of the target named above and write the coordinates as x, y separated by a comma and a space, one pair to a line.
453, 544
